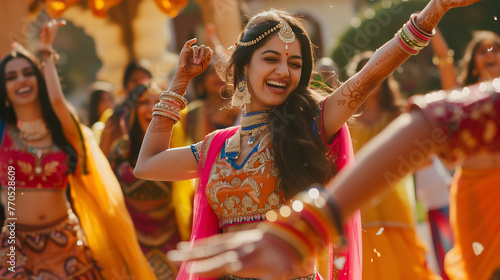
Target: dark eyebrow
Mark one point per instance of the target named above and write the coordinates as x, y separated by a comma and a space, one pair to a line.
22, 70
277, 53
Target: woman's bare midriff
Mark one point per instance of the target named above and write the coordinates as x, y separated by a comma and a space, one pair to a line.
36, 207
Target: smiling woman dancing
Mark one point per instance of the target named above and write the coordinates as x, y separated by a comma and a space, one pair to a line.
47, 149
290, 137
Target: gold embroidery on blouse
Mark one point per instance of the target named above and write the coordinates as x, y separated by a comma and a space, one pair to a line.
490, 130
26, 167
215, 189
468, 139
249, 205
50, 167
255, 186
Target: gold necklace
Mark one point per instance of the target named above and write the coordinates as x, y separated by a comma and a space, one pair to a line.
32, 130
254, 123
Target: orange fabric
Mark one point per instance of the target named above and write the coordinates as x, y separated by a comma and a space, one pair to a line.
171, 7
56, 8
385, 255
246, 194
57, 252
474, 212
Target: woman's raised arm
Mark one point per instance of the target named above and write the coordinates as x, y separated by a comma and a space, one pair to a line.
408, 41
56, 96
156, 161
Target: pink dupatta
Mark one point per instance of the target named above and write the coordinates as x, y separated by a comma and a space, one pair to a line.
205, 221
352, 227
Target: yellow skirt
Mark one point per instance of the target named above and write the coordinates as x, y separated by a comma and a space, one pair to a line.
474, 210
396, 253
391, 246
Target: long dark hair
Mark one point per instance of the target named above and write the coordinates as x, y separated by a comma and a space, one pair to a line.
298, 151
48, 114
469, 74
132, 67
97, 91
124, 117
390, 98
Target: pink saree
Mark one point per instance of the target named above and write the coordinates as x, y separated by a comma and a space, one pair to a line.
205, 222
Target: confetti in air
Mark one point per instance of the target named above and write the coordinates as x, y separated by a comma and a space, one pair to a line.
478, 248
339, 263
490, 49
379, 232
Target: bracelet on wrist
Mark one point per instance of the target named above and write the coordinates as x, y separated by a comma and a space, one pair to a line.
49, 53
310, 223
442, 61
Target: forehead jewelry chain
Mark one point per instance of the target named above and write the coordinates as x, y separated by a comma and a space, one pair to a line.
285, 34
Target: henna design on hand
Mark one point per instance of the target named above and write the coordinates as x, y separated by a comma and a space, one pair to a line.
193, 60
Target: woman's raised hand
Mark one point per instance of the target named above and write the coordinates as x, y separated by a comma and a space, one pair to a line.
48, 33
193, 60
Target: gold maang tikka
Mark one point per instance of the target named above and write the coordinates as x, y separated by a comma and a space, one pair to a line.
285, 34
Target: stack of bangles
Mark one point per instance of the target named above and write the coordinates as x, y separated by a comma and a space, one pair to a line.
309, 224
411, 38
171, 104
50, 53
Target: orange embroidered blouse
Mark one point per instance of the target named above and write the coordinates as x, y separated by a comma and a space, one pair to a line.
244, 193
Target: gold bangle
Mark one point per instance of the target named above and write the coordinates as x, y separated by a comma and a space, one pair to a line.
442, 61
50, 53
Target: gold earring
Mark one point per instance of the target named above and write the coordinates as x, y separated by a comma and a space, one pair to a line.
241, 96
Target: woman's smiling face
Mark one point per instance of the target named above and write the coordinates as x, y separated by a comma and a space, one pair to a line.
145, 108
487, 60
21, 82
273, 73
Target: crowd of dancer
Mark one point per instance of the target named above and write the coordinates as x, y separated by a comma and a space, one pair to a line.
257, 177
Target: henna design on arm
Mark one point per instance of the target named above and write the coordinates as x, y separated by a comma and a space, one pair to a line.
380, 66
160, 124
